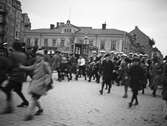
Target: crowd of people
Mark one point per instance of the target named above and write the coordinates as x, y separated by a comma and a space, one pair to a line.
134, 71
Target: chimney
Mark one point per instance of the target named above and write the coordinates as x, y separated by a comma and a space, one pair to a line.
57, 24
104, 26
136, 27
52, 26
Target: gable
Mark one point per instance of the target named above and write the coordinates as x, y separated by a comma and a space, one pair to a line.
141, 37
68, 28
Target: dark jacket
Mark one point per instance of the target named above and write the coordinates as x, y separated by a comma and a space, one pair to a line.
5, 66
16, 74
136, 77
164, 82
107, 69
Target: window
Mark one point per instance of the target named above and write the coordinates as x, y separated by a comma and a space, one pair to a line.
62, 42
1, 7
17, 34
80, 41
54, 42
91, 42
36, 42
1, 18
102, 45
45, 42
113, 44
67, 30
71, 41
1, 29
28, 42
67, 48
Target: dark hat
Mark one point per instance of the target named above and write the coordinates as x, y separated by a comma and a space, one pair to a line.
165, 58
136, 60
107, 55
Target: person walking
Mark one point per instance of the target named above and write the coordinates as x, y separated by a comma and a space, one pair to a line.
136, 77
164, 85
15, 77
56, 64
107, 73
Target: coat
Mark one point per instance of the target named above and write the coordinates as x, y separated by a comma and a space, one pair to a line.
164, 82
5, 66
136, 77
16, 74
156, 75
41, 78
107, 70
56, 61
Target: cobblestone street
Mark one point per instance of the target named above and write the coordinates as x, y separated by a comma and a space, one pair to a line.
78, 103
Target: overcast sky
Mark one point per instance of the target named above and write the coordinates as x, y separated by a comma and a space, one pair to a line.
149, 15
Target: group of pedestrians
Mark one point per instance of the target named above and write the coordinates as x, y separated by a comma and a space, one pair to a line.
134, 71
15, 67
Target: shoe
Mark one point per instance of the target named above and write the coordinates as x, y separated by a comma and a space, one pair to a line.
23, 104
39, 112
136, 103
130, 105
28, 117
125, 96
108, 91
97, 81
101, 92
154, 95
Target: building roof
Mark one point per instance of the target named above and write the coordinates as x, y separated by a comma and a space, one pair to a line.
45, 30
81, 30
100, 31
137, 30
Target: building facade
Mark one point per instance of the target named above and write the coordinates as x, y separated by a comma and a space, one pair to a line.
11, 19
141, 42
25, 25
74, 39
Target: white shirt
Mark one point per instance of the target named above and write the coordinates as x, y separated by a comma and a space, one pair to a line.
81, 62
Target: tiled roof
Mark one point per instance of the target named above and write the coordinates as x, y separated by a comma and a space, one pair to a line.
45, 30
100, 31
138, 31
82, 30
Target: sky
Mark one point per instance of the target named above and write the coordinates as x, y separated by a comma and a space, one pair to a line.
149, 15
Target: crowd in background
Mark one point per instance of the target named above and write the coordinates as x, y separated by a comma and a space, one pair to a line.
134, 71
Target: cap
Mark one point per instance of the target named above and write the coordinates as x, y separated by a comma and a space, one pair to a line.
136, 59
107, 55
40, 52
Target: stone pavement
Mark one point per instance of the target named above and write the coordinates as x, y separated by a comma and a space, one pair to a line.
78, 103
